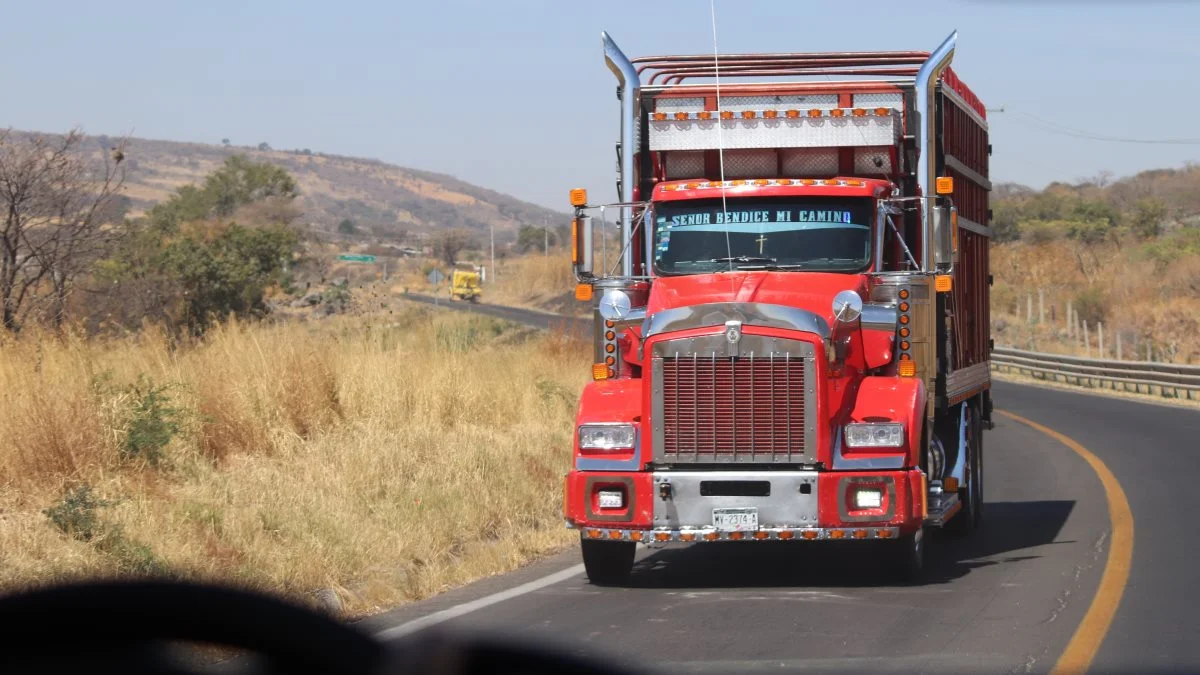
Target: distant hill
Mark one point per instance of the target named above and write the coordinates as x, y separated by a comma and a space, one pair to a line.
380, 200
1157, 201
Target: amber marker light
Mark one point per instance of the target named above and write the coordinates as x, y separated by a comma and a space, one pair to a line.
599, 371
578, 197
583, 292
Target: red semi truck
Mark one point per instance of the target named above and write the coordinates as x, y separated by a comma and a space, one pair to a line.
792, 338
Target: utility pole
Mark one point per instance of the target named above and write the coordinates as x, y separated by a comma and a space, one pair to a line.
546, 236
492, 234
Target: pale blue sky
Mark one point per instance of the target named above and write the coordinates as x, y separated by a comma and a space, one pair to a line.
515, 96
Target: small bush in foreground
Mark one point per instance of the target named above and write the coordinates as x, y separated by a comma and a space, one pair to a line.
76, 513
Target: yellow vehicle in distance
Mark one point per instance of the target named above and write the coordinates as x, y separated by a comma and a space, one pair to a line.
465, 285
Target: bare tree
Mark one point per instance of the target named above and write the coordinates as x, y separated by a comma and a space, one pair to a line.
57, 208
447, 244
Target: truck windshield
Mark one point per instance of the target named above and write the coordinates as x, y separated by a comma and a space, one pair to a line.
831, 234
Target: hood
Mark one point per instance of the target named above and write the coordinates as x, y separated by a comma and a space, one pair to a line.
812, 291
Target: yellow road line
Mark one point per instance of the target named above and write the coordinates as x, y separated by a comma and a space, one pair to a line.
1089, 635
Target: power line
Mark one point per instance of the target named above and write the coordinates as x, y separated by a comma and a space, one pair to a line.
1061, 130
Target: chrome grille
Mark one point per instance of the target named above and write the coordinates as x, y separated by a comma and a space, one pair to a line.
754, 408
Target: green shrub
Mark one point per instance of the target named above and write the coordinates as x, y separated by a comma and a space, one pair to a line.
153, 422
76, 513
1091, 305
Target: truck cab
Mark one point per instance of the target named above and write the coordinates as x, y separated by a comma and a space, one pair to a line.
791, 339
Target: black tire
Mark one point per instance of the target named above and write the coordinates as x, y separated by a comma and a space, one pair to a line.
908, 557
608, 562
970, 493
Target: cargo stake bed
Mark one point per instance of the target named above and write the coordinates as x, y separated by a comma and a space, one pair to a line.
791, 306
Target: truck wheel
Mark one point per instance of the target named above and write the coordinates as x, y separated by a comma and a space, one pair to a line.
908, 557
971, 492
608, 562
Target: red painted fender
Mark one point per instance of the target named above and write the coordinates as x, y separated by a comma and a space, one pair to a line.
610, 401
891, 399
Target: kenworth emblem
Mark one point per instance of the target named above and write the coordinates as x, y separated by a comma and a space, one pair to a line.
733, 336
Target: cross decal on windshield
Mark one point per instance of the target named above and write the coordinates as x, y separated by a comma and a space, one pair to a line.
762, 239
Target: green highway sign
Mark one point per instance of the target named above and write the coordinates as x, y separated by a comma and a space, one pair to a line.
358, 258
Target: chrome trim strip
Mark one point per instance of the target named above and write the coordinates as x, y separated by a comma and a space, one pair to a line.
880, 317
712, 314
702, 536
975, 227
966, 382
954, 163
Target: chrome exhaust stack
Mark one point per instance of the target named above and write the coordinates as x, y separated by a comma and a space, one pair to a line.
926, 87
629, 93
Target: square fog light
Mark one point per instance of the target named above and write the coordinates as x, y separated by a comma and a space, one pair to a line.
612, 499
868, 499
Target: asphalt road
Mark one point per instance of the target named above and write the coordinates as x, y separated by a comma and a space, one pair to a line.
1007, 600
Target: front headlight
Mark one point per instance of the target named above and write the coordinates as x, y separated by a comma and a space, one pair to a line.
874, 435
607, 436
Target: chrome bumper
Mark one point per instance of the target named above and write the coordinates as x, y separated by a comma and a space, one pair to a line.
790, 502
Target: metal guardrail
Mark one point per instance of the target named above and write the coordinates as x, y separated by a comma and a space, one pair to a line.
1165, 379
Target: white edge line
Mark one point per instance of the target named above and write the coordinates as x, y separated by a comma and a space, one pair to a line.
468, 607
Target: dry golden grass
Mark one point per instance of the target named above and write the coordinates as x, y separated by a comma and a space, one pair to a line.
537, 281
1148, 305
385, 462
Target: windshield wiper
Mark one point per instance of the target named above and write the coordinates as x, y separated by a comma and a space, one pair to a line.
743, 259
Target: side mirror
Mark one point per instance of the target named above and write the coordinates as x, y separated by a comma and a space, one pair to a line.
581, 246
945, 237
847, 316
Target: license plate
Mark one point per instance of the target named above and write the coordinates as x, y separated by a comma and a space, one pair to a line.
733, 520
